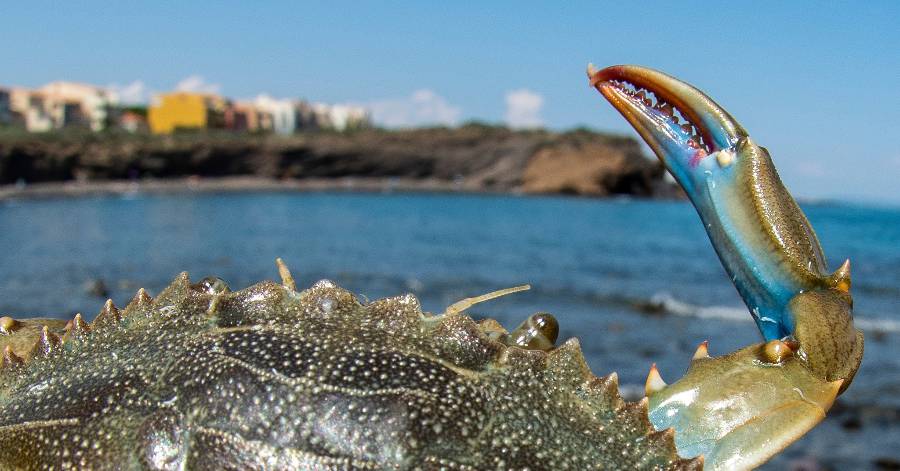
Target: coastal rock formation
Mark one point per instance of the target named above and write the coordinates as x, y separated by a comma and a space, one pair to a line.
582, 164
469, 158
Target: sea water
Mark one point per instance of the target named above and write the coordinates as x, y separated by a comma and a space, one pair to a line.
636, 281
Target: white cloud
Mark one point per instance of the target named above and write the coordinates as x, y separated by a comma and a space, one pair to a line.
134, 93
523, 109
422, 107
197, 84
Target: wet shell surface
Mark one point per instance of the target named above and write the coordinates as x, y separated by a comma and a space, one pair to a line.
270, 378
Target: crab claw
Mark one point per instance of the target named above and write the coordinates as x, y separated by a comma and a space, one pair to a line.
681, 124
739, 409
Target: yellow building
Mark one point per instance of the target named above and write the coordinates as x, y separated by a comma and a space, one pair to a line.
185, 110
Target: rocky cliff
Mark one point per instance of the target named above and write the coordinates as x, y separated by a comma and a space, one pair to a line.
469, 158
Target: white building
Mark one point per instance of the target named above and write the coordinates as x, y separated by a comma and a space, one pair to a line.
341, 117
70, 103
30, 109
282, 112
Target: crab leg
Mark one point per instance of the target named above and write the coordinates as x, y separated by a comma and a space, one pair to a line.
739, 409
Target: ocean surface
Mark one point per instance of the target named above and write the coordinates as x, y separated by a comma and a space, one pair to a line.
636, 281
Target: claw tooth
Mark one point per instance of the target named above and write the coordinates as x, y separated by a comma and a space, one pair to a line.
840, 279
702, 351
666, 109
654, 382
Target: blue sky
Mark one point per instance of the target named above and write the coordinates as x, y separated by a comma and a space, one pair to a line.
816, 83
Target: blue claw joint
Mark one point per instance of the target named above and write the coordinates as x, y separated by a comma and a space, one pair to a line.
771, 253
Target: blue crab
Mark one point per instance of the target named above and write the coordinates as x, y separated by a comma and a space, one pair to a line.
270, 377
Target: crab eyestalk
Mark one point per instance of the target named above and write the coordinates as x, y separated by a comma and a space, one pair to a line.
739, 409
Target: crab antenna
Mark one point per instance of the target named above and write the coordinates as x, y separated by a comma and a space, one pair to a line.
466, 303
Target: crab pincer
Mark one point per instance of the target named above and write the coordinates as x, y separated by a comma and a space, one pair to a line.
739, 409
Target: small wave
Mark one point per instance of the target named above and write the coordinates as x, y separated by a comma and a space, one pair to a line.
668, 304
877, 325
665, 302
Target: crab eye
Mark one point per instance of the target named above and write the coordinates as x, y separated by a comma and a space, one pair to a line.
538, 332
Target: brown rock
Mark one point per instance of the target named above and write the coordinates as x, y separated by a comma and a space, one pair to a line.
589, 168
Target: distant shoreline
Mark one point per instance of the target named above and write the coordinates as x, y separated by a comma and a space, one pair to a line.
250, 183
239, 184
468, 159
